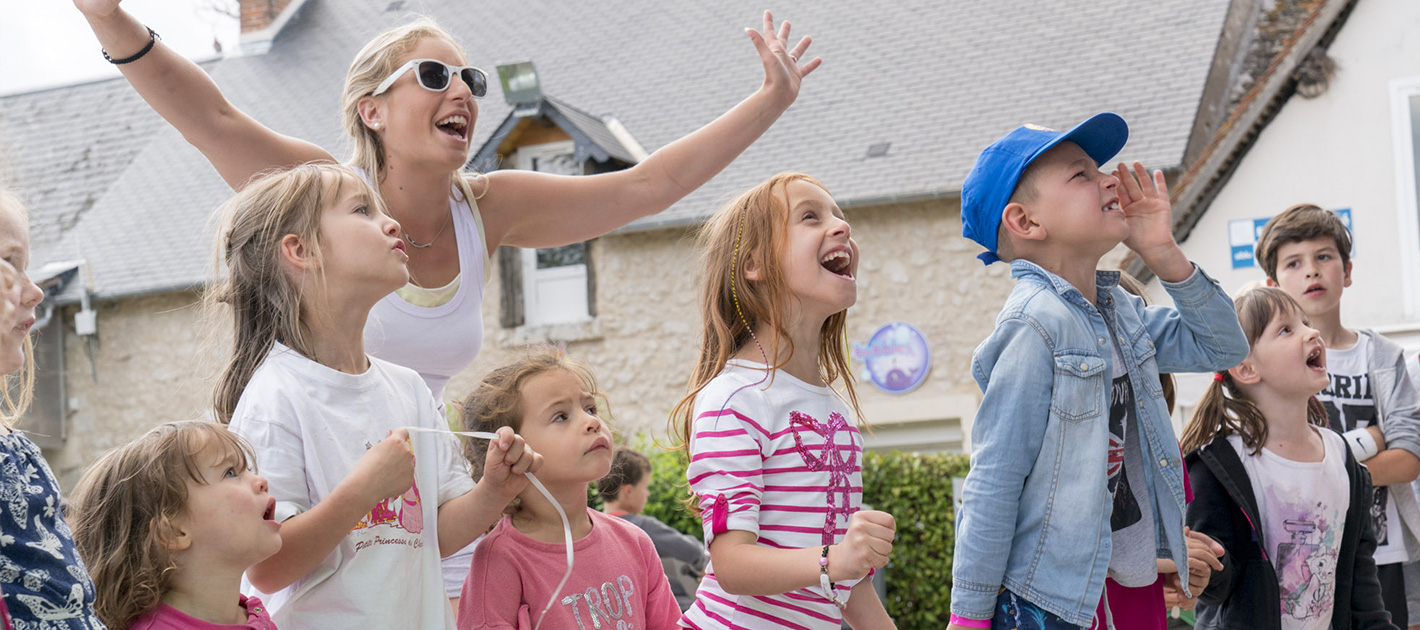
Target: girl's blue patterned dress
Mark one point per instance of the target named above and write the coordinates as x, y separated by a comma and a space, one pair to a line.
45, 583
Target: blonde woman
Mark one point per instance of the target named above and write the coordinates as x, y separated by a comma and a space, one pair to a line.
410, 105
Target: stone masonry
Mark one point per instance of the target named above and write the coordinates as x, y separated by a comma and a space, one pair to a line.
156, 359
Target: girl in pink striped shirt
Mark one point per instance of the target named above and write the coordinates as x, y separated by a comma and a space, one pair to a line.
775, 462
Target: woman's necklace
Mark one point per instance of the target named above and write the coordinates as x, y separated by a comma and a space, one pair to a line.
447, 219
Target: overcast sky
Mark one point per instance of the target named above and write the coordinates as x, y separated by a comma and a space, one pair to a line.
47, 43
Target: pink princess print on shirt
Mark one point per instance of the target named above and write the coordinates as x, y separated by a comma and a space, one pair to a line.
405, 511
830, 458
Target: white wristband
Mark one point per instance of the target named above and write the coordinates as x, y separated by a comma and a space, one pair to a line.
1363, 444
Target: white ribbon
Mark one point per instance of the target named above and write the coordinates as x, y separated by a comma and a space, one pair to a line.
566, 525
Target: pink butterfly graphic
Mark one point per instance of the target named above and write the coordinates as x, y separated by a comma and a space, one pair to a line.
830, 458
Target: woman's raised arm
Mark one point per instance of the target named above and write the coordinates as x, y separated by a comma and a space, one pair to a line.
236, 145
528, 209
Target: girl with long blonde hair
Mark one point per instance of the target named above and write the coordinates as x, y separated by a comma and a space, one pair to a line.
775, 452
366, 513
42, 577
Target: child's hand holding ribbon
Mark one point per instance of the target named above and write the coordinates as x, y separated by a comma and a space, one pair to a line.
508, 462
384, 471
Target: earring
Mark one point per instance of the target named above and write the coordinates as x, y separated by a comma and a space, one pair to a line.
375, 126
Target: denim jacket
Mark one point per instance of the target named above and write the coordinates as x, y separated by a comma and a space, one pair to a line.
1036, 510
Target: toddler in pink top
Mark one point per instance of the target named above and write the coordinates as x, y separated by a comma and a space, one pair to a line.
168, 523
617, 581
165, 617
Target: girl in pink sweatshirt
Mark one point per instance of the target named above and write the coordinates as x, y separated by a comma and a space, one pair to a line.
517, 578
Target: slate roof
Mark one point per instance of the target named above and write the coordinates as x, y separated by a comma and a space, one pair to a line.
604, 144
937, 80
63, 148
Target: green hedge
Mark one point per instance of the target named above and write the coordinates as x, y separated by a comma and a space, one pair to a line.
915, 489
669, 495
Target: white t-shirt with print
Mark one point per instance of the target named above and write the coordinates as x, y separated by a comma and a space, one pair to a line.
1350, 404
308, 425
1134, 536
1302, 506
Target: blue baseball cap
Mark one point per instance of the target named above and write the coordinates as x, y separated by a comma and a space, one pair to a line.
989, 185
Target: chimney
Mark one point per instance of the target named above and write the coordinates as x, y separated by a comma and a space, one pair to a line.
262, 20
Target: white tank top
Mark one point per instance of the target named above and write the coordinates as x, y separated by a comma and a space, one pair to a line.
437, 341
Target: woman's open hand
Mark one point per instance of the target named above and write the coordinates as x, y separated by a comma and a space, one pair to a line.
782, 68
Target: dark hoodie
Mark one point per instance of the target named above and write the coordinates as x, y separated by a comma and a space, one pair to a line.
1244, 595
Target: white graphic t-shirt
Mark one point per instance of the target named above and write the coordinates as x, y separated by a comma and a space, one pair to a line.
309, 425
1350, 405
1302, 506
1132, 530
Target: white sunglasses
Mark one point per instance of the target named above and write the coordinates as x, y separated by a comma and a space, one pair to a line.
435, 76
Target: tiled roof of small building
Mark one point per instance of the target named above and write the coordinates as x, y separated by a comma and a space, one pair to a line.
1267, 79
594, 136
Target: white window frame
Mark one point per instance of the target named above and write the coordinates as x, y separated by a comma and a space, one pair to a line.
1408, 214
538, 312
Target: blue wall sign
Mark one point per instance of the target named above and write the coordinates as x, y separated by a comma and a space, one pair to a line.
1243, 235
896, 358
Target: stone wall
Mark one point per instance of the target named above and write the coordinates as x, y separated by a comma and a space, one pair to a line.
915, 268
156, 363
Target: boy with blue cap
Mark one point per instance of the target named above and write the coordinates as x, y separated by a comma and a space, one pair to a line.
1075, 470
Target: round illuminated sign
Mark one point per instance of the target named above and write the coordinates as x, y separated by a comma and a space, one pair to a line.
896, 358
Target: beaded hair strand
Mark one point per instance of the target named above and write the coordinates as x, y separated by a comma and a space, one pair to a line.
734, 295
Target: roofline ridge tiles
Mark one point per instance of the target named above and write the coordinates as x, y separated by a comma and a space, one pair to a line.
1200, 182
623, 136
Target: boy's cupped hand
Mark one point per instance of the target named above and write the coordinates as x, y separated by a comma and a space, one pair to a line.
1145, 202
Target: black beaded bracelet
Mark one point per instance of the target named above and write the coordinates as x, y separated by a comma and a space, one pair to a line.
153, 38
